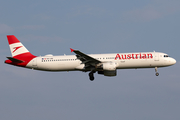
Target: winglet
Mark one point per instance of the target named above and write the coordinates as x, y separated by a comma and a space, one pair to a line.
72, 50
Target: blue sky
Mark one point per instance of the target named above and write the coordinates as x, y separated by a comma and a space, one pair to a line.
52, 27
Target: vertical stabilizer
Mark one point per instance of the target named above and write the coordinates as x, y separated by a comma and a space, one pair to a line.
16, 46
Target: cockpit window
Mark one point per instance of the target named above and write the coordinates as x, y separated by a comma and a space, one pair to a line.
166, 56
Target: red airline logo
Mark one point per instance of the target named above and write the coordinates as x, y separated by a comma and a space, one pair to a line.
134, 56
16, 48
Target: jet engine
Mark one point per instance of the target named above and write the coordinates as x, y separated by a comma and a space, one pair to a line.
109, 69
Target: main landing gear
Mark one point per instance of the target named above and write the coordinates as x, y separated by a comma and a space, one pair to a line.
91, 75
157, 74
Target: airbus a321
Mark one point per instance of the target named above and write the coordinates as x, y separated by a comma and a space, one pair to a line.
104, 64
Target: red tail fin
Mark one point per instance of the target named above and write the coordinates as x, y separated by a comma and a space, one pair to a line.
18, 51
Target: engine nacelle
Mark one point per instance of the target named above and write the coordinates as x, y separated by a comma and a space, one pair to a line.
109, 69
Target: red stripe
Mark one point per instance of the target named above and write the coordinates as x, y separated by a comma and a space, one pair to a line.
12, 39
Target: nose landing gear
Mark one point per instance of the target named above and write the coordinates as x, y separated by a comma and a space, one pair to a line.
157, 74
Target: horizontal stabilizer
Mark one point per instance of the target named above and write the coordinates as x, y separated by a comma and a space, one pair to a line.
15, 60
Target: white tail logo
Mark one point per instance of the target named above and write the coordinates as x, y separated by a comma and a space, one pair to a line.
15, 48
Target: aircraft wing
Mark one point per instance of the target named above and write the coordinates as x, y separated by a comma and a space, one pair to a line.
86, 59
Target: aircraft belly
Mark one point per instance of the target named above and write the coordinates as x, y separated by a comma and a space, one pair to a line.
58, 66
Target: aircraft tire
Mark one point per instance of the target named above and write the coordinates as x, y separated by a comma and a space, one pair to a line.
91, 76
157, 74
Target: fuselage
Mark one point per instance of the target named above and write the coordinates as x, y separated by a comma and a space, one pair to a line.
122, 61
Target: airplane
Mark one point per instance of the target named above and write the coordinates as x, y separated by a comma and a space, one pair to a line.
103, 64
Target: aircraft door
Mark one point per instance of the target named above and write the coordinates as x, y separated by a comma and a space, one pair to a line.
156, 56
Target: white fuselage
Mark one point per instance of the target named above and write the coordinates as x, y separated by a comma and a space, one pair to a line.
122, 61
103, 64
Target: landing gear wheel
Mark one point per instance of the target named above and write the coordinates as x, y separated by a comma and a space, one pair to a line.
157, 74
91, 76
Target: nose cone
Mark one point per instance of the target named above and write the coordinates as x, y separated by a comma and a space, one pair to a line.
173, 61
170, 61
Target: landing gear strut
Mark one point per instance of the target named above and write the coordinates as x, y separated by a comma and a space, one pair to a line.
91, 75
157, 74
